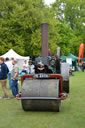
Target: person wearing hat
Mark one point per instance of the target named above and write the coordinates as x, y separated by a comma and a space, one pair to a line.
14, 77
3, 76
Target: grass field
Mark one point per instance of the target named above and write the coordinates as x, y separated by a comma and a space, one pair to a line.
72, 113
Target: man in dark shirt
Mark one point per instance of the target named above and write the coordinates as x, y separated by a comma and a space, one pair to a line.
3, 76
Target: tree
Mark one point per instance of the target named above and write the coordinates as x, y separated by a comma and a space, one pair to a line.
72, 13
20, 21
20, 26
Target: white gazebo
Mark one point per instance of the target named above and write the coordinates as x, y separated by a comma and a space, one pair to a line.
12, 54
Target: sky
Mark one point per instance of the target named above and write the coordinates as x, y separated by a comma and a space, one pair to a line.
48, 2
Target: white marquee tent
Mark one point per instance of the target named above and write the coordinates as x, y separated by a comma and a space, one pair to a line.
12, 54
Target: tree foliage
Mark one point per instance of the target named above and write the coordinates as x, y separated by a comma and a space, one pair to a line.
20, 25
72, 13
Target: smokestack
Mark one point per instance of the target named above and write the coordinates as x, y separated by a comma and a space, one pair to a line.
44, 31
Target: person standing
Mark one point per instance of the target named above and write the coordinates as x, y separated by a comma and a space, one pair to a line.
10, 66
14, 77
3, 76
25, 66
31, 68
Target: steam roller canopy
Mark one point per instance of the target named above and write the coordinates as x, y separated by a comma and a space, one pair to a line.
41, 94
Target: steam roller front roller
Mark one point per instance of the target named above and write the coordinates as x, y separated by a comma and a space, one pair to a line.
40, 95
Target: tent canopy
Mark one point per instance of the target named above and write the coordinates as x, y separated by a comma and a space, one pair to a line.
63, 58
74, 58
12, 54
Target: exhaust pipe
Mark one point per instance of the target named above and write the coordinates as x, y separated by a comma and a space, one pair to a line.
58, 52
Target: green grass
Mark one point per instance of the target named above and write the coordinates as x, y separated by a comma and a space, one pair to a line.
72, 113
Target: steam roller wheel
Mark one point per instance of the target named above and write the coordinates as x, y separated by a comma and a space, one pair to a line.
65, 75
66, 86
40, 95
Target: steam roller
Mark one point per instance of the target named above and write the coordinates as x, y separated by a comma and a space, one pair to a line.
44, 90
